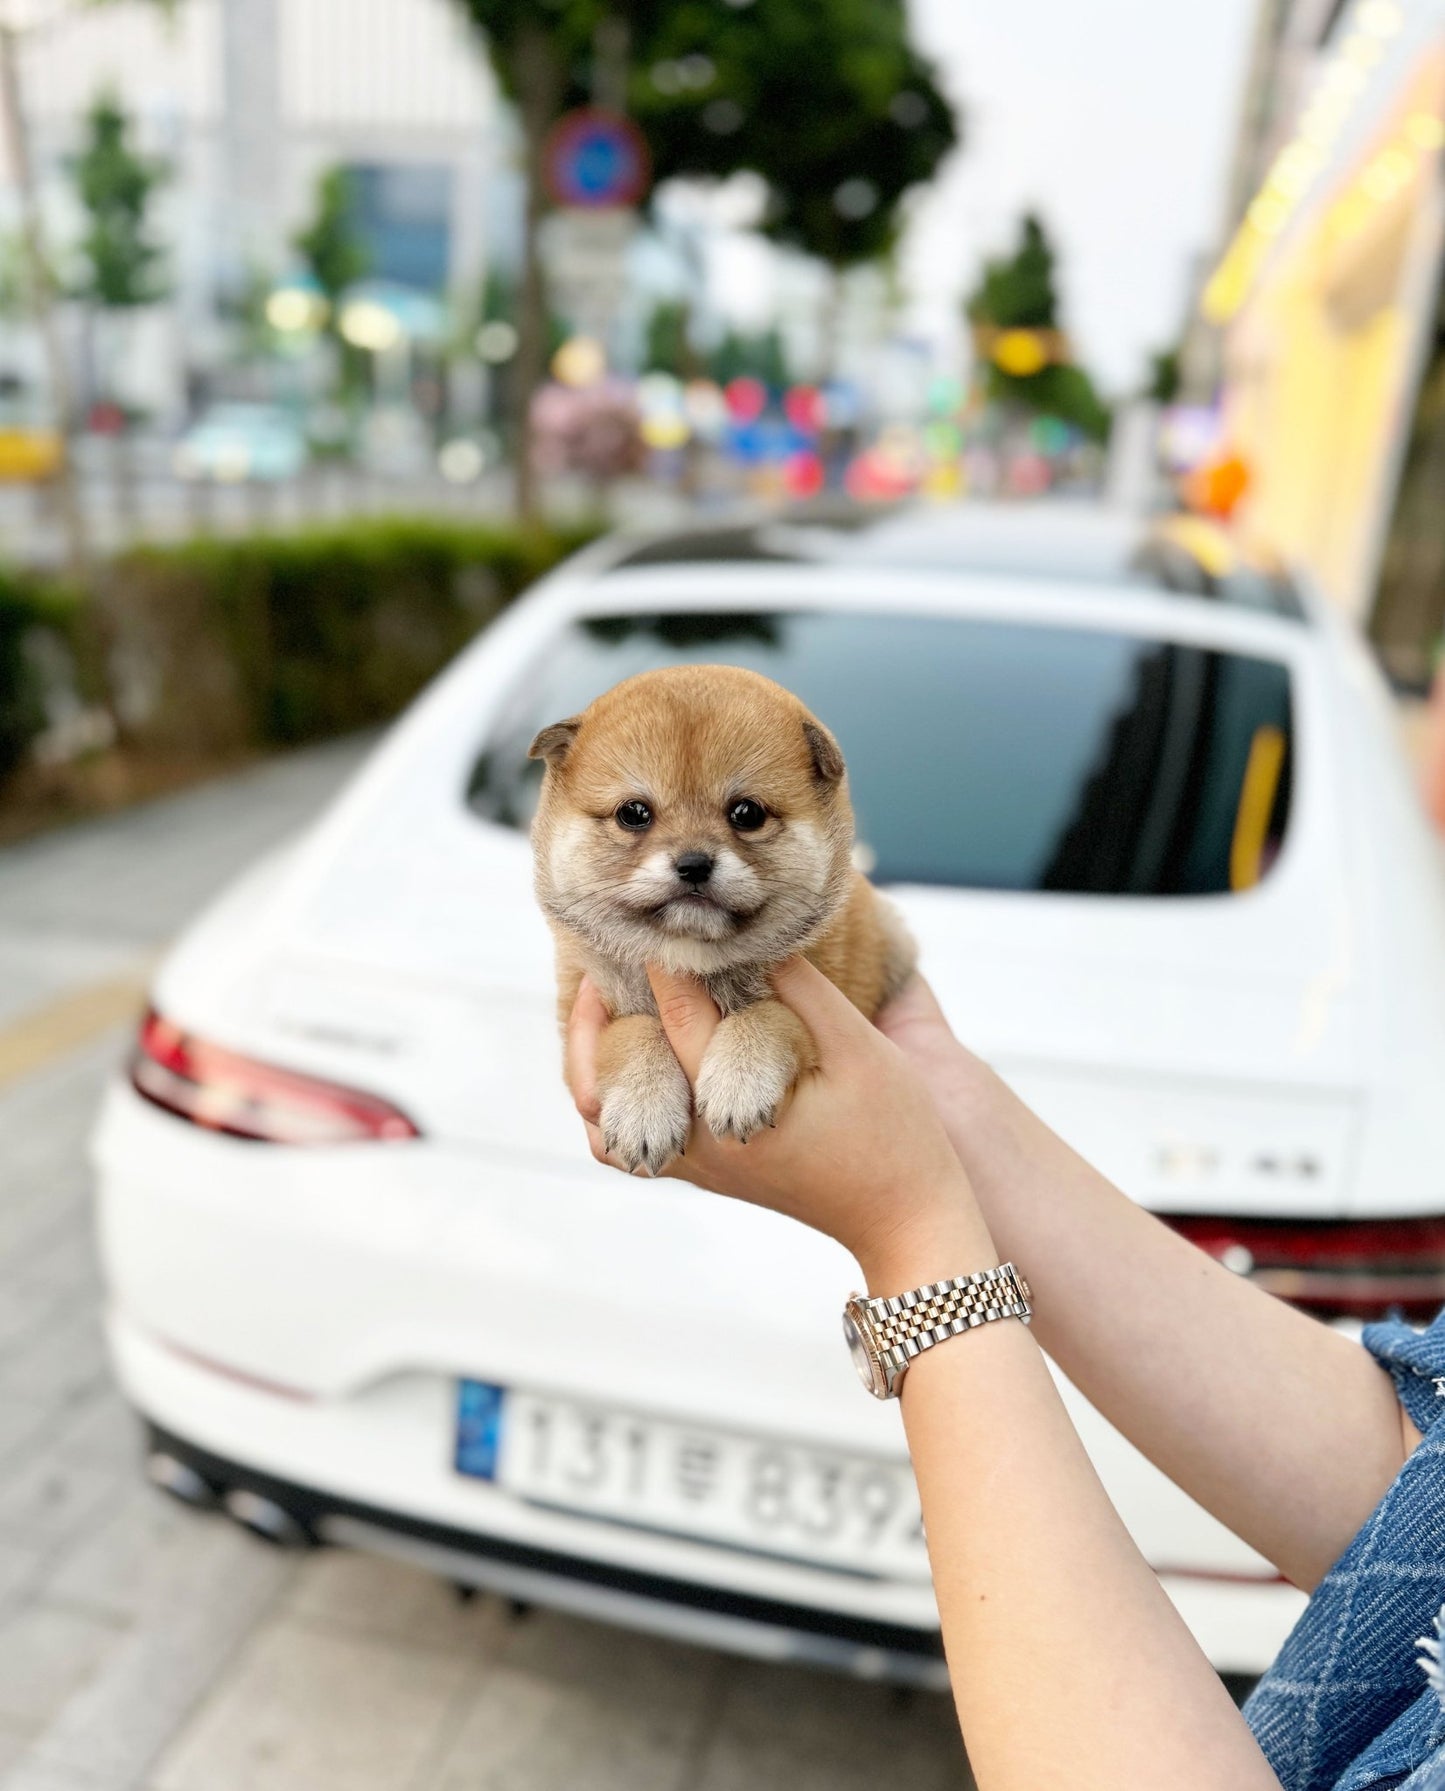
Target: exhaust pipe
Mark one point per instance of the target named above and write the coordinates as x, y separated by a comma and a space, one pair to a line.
263, 1517
181, 1481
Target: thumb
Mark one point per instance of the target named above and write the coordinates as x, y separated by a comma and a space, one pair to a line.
687, 1013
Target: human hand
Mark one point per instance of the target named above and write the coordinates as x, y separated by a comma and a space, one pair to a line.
859, 1152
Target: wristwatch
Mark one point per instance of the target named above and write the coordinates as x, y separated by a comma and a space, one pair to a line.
884, 1336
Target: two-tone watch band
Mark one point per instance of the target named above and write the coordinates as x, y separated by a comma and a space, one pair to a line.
887, 1334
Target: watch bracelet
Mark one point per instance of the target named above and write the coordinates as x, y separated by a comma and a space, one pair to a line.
906, 1324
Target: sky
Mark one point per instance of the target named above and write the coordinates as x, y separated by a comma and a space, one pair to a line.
1115, 120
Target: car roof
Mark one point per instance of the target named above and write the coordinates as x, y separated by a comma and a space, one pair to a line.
1060, 543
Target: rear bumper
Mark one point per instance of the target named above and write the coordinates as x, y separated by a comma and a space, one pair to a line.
710, 1616
304, 1316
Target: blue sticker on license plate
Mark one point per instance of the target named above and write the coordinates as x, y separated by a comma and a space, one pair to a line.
479, 1429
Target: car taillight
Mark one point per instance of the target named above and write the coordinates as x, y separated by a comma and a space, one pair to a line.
1341, 1268
226, 1092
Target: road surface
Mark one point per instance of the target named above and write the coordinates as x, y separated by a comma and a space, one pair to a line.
144, 1647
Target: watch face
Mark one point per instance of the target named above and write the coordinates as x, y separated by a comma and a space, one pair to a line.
868, 1370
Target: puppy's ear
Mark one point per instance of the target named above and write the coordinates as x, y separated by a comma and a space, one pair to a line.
555, 742
827, 760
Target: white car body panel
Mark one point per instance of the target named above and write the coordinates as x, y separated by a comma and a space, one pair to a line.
1273, 1052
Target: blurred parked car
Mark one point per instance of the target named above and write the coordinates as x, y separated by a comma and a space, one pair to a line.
1140, 803
233, 442
31, 450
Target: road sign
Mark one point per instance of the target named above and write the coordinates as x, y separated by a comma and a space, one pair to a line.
586, 257
596, 160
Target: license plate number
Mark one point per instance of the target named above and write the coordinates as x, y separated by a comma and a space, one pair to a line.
857, 1513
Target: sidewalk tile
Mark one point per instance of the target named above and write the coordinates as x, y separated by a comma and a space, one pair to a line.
306, 1710
573, 1704
45, 1653
812, 1731
174, 1655
395, 1602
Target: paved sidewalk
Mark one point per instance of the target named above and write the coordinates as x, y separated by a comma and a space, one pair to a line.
144, 1647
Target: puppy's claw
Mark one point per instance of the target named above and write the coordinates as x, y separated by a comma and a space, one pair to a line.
646, 1126
740, 1090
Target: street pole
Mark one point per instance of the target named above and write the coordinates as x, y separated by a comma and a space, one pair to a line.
41, 295
540, 85
611, 59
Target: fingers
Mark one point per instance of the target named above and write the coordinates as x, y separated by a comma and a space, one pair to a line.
688, 1016
822, 1007
914, 1002
584, 1027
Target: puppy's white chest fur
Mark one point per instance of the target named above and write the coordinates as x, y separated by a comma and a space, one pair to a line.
626, 990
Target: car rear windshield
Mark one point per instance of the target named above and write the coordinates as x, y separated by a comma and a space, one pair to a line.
981, 754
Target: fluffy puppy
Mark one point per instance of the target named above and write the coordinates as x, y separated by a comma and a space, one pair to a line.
698, 818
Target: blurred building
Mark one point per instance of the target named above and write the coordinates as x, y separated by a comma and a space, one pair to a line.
1329, 298
250, 101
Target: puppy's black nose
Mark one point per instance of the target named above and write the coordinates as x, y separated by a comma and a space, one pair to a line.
694, 868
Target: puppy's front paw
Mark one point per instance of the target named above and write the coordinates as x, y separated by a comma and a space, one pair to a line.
646, 1117
744, 1079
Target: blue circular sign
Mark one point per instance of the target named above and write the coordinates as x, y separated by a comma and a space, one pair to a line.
596, 160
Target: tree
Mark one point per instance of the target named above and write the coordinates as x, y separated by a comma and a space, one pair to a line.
122, 265
115, 186
667, 342
1165, 376
760, 356
15, 24
335, 255
1028, 362
331, 247
825, 99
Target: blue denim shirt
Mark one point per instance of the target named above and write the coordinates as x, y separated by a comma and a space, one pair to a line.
1347, 1704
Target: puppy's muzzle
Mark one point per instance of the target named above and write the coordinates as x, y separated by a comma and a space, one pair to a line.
694, 868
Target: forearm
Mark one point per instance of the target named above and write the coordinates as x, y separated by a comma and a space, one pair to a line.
1069, 1664
1285, 1430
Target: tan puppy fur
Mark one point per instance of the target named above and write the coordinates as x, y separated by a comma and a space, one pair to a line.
698, 818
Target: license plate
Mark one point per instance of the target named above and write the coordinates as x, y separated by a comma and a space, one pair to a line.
855, 1513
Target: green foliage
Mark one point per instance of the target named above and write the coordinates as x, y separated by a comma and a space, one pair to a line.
825, 99
330, 245
760, 356
1020, 292
30, 609
666, 346
280, 639
1017, 291
1165, 376
115, 186
1068, 393
267, 641
22, 714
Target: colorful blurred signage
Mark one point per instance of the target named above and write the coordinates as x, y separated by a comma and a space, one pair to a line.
596, 160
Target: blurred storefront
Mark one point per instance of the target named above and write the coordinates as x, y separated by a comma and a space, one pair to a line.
247, 102
1330, 297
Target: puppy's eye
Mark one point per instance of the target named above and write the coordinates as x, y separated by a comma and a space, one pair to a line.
634, 816
747, 816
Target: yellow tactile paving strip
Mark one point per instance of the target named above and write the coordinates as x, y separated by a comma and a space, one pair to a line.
63, 1025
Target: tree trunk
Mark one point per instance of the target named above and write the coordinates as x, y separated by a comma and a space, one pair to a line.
539, 97
41, 297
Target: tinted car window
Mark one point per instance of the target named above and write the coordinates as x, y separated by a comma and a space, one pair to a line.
981, 754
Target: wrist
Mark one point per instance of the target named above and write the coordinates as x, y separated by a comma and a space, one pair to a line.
944, 1235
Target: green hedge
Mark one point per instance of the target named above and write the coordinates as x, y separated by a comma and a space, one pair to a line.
280, 639
34, 615
217, 647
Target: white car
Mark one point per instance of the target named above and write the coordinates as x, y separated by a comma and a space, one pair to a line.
1142, 808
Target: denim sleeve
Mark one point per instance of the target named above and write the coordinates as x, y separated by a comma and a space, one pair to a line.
1416, 1363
